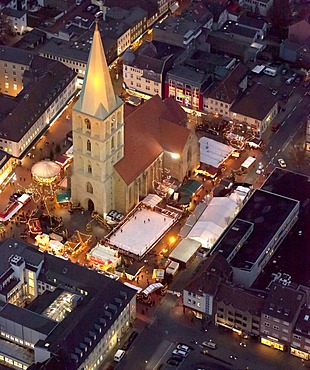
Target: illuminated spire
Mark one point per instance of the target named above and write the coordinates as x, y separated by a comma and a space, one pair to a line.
97, 97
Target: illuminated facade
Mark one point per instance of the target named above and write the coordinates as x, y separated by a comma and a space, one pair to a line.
116, 162
74, 315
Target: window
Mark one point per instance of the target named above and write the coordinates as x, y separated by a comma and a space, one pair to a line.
89, 169
88, 146
88, 124
89, 188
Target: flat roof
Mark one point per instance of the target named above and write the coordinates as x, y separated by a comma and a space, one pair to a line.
27, 318
141, 231
233, 236
267, 211
184, 251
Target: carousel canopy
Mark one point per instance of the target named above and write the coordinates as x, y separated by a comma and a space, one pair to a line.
45, 169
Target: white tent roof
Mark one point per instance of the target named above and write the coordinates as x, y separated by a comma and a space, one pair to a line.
45, 169
152, 199
104, 253
248, 162
214, 221
212, 152
152, 287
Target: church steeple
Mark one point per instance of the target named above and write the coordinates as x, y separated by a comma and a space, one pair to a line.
97, 97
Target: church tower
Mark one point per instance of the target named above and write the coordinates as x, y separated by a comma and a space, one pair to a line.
98, 134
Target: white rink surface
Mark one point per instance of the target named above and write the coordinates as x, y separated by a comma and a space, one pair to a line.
139, 233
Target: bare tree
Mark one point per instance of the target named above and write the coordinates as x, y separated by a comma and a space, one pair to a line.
5, 27
298, 156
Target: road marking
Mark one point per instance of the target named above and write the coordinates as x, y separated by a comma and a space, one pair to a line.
289, 115
168, 349
299, 100
294, 108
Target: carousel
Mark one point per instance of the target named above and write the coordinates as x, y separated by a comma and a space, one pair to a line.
46, 172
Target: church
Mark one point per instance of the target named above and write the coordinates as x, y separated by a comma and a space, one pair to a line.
119, 151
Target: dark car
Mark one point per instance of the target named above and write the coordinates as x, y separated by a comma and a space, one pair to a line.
173, 362
177, 358
130, 340
275, 127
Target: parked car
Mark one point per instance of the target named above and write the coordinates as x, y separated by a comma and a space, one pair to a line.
282, 163
209, 344
275, 127
290, 80
183, 347
178, 352
173, 362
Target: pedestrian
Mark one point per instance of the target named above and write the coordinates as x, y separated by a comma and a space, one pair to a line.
143, 221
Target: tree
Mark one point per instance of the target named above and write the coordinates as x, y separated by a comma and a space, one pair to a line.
298, 156
5, 27
281, 15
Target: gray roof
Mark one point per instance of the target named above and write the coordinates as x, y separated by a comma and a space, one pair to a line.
14, 12
102, 301
45, 81
283, 302
267, 212
256, 102
14, 55
228, 90
27, 319
12, 247
251, 22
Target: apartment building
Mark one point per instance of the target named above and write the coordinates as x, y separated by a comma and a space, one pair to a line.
261, 6
257, 107
238, 309
222, 97
144, 70
279, 316
42, 88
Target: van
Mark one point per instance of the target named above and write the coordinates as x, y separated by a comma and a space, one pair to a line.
120, 353
270, 71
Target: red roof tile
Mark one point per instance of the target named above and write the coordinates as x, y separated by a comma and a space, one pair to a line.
150, 129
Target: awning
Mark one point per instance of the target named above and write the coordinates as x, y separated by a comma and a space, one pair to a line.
189, 188
150, 289
152, 200
63, 196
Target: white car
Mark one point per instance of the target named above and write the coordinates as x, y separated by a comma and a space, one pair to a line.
178, 352
183, 347
282, 163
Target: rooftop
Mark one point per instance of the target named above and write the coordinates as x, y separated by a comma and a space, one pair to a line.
267, 212
229, 89
283, 302
256, 102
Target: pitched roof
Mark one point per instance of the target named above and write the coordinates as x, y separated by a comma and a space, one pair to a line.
256, 103
240, 299
228, 90
150, 129
97, 97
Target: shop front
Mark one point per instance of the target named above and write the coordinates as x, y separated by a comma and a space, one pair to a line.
273, 343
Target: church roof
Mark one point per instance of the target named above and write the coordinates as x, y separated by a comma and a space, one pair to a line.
152, 128
97, 98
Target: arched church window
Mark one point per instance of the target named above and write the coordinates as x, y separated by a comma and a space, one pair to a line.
90, 169
88, 146
89, 188
87, 124
112, 143
189, 155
